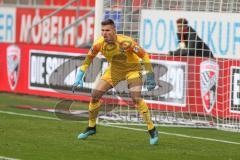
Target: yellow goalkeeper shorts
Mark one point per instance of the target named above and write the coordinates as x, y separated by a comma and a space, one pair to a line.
113, 77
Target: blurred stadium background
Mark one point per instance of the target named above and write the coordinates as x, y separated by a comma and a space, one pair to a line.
197, 107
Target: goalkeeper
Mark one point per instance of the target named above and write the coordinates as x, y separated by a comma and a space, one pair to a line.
123, 55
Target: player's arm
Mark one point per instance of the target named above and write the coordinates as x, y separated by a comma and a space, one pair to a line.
86, 63
140, 52
89, 58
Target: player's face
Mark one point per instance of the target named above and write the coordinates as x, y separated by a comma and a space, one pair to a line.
108, 33
181, 27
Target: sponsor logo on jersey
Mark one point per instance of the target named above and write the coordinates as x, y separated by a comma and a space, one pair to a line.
13, 65
208, 82
136, 49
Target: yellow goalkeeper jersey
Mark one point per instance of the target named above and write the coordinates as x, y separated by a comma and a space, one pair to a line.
124, 54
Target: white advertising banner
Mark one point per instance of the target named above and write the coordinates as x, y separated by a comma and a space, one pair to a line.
171, 79
220, 31
7, 25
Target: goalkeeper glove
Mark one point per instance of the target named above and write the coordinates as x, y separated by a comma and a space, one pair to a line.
150, 82
78, 80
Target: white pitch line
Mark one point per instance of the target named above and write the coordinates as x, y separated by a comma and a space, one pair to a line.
35, 116
29, 115
177, 135
7, 158
129, 128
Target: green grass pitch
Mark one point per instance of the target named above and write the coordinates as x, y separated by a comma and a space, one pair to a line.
34, 137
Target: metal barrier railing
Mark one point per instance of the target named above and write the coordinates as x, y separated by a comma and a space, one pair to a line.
48, 16
74, 24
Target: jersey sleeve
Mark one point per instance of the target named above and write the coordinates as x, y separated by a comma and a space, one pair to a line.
91, 55
140, 52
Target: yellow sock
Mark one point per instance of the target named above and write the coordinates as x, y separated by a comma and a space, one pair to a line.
93, 109
144, 111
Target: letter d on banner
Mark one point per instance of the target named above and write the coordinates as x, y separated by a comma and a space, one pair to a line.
147, 33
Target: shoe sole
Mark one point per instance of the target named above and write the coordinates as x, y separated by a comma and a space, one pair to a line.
85, 135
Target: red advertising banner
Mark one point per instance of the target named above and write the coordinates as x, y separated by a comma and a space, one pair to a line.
14, 70
197, 85
49, 32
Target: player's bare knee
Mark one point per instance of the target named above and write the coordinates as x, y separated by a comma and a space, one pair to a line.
136, 100
96, 95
